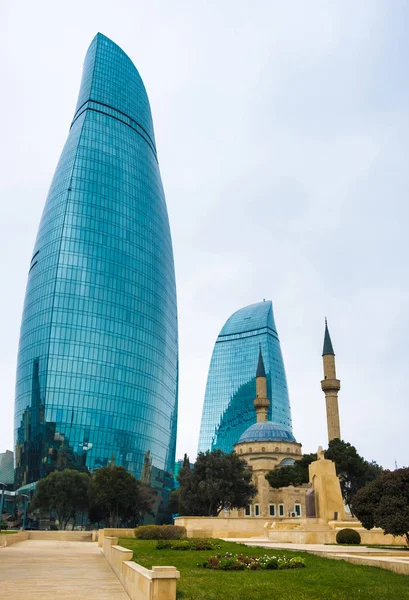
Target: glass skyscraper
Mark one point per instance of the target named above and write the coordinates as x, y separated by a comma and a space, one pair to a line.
228, 408
97, 375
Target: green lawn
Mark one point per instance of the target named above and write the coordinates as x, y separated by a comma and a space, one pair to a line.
7, 532
322, 579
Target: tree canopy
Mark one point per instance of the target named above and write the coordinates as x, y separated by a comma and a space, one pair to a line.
295, 475
384, 503
65, 492
352, 469
217, 481
115, 494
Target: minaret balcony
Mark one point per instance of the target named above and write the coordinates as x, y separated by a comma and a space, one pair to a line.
330, 385
261, 403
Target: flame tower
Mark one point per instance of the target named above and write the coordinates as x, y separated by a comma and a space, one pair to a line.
98, 356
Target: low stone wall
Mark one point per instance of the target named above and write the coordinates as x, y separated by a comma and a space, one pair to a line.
114, 532
223, 527
395, 564
318, 531
296, 531
158, 583
375, 536
62, 536
13, 538
306, 531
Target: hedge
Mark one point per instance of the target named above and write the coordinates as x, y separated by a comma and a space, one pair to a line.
160, 532
348, 536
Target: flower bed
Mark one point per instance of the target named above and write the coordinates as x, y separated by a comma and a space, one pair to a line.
240, 562
191, 544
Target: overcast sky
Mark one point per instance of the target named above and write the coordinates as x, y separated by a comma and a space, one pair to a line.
282, 130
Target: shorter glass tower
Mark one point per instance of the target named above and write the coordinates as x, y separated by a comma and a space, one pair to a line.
231, 384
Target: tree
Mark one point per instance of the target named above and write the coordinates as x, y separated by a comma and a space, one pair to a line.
185, 496
295, 474
217, 481
384, 503
173, 501
115, 494
65, 492
145, 501
354, 472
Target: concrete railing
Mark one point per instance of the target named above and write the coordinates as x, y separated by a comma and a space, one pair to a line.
223, 527
158, 583
114, 532
62, 536
55, 536
13, 538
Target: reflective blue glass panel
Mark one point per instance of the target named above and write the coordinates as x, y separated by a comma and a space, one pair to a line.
98, 356
228, 408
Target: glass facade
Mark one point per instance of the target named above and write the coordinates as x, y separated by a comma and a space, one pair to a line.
6, 468
228, 408
97, 375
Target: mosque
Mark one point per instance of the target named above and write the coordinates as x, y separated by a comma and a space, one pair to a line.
267, 445
307, 513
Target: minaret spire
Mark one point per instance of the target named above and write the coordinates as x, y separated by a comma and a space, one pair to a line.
328, 349
261, 402
261, 372
330, 385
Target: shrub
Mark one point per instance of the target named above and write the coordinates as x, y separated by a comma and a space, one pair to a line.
191, 544
348, 536
173, 545
164, 544
239, 562
204, 545
292, 563
160, 532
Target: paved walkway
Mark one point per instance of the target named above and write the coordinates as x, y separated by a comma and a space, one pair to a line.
34, 570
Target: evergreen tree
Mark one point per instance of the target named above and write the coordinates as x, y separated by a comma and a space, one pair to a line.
384, 503
64, 492
295, 475
116, 495
217, 481
353, 470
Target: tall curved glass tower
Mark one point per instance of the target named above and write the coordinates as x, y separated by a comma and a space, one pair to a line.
228, 408
97, 375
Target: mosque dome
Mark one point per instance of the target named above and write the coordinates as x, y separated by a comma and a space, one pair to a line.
267, 431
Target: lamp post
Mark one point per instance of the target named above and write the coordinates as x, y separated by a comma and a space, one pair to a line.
2, 500
25, 510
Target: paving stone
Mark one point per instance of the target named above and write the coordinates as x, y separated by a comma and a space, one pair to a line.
47, 570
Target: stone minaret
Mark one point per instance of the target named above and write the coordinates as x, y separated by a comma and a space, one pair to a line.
261, 402
330, 386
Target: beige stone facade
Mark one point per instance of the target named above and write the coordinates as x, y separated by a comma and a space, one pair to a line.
329, 504
269, 503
